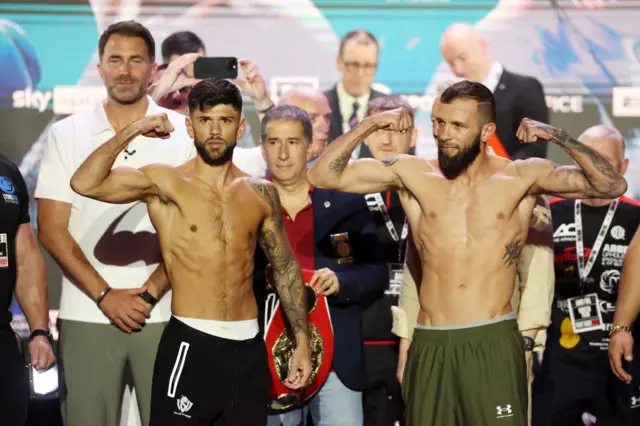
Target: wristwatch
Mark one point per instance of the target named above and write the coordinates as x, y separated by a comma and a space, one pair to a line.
147, 297
528, 343
41, 332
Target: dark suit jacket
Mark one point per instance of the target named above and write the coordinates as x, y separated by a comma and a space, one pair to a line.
335, 213
519, 96
335, 129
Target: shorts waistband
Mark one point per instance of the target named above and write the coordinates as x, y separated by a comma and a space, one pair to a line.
495, 328
509, 316
232, 330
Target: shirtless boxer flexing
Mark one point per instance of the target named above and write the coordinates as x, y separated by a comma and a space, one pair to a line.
211, 363
469, 212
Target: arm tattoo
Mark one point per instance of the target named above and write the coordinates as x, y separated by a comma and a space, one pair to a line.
286, 271
390, 160
606, 179
571, 177
512, 252
338, 165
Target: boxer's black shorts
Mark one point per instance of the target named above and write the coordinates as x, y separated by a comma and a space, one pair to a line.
200, 379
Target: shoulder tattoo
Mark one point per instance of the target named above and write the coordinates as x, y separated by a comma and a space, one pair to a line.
268, 192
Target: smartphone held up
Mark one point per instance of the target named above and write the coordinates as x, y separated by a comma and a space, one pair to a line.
215, 67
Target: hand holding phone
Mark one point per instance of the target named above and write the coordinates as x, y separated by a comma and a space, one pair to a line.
252, 84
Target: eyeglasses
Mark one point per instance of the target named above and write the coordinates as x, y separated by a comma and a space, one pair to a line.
353, 66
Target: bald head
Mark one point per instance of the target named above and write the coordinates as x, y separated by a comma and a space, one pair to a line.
465, 51
300, 94
608, 142
316, 105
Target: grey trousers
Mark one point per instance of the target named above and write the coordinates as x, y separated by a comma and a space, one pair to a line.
93, 358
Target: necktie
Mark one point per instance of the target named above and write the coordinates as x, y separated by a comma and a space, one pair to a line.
353, 120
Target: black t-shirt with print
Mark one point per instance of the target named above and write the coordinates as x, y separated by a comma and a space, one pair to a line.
14, 211
587, 350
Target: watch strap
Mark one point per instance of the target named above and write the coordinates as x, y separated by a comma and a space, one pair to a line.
147, 297
41, 332
529, 343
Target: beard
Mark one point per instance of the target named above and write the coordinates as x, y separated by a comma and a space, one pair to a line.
453, 165
217, 158
129, 95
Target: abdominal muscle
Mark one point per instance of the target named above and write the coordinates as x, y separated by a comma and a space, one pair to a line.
215, 285
464, 288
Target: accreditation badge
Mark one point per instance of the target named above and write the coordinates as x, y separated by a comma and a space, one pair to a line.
395, 279
585, 313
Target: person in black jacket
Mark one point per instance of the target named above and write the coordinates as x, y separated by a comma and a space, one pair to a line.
382, 400
21, 272
516, 96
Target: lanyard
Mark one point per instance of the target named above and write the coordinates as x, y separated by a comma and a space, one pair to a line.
584, 270
392, 229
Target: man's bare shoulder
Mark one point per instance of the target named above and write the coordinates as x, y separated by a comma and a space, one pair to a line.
265, 190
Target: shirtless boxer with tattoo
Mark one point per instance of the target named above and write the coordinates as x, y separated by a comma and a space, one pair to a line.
211, 362
469, 213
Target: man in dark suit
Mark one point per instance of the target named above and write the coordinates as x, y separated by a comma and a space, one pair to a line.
517, 96
382, 397
314, 220
357, 62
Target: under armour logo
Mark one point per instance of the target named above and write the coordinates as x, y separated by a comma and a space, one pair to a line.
184, 404
505, 411
635, 401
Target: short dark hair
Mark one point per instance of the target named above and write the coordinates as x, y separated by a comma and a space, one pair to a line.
363, 37
387, 103
128, 29
181, 43
478, 92
288, 112
214, 91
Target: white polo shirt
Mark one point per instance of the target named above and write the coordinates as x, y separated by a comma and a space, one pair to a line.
118, 239
250, 161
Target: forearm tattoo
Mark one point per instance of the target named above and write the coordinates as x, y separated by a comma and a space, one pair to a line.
607, 178
339, 164
512, 253
287, 276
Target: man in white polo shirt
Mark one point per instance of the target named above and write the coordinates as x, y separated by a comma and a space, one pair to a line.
109, 253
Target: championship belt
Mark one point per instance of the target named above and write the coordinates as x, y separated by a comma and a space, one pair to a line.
279, 340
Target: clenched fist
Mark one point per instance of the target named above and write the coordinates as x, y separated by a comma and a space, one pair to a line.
397, 120
155, 126
532, 131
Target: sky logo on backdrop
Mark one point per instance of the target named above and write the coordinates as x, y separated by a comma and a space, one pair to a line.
20, 67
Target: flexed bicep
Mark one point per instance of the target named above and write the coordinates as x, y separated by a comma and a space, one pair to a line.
363, 176
122, 185
560, 181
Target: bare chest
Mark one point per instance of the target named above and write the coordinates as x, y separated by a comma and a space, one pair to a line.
209, 219
485, 212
